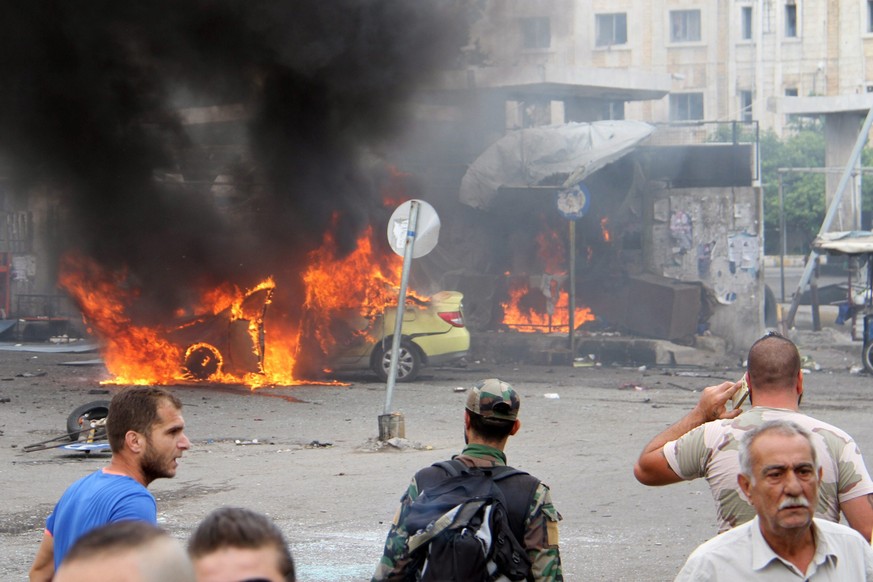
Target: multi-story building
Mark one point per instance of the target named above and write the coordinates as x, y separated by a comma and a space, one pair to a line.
728, 60
753, 61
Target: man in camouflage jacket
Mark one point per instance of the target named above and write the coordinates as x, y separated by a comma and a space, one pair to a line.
491, 417
705, 442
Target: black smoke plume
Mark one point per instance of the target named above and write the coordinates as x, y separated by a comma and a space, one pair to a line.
89, 100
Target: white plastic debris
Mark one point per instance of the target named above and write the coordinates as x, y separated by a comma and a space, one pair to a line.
551, 395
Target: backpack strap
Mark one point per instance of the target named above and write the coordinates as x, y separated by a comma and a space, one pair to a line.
518, 488
452, 467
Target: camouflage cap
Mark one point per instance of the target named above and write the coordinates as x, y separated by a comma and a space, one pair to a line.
493, 398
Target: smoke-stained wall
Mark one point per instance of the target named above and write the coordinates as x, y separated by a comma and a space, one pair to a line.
713, 235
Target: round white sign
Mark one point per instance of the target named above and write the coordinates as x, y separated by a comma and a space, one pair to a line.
426, 234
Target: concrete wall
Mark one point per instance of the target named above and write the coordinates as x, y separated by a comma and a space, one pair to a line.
713, 236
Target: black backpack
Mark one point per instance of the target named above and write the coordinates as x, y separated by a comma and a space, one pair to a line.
465, 527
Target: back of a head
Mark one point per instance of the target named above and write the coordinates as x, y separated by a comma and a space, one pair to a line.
135, 551
773, 363
240, 528
493, 406
136, 409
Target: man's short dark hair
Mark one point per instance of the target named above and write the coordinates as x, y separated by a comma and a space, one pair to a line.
135, 409
113, 537
237, 527
490, 429
773, 362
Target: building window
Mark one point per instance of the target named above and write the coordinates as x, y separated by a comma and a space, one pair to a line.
686, 107
791, 20
612, 110
791, 91
612, 29
536, 33
685, 26
869, 15
746, 106
746, 22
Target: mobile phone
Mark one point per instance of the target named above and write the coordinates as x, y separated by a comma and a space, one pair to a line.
740, 395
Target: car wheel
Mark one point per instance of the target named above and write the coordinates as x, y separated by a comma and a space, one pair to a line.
202, 361
80, 418
408, 363
868, 358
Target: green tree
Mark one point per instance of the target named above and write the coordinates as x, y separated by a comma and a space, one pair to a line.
803, 192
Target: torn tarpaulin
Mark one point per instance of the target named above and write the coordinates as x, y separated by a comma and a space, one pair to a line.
555, 155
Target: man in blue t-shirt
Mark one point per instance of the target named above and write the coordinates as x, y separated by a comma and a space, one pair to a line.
146, 433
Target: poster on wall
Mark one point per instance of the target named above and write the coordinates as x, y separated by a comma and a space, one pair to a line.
743, 253
681, 231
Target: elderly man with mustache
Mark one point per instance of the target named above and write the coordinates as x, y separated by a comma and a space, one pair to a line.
780, 475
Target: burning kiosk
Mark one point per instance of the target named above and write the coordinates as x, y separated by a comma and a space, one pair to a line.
669, 249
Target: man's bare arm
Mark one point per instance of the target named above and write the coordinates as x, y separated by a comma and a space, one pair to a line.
652, 467
859, 514
43, 568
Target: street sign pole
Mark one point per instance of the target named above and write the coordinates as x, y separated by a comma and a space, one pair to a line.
401, 303
572, 302
413, 232
573, 204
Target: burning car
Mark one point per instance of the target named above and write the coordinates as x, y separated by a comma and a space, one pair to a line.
229, 342
345, 321
433, 333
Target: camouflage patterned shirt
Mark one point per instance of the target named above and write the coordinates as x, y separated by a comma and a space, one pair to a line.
712, 451
540, 536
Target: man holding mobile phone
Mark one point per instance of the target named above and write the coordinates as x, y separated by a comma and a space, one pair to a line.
705, 442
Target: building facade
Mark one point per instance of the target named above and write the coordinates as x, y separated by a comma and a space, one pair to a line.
728, 60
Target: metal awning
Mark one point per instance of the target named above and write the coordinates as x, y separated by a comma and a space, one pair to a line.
851, 242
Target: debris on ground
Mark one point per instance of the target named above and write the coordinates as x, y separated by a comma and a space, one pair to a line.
318, 445
239, 442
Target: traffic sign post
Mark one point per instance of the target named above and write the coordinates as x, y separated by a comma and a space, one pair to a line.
413, 231
573, 204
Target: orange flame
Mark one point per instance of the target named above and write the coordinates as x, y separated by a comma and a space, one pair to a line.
362, 283
139, 355
526, 310
133, 354
550, 250
603, 222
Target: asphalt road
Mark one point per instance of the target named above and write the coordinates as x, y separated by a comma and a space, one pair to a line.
308, 456
774, 277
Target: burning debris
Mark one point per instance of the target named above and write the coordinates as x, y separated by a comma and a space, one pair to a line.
232, 337
541, 303
222, 342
